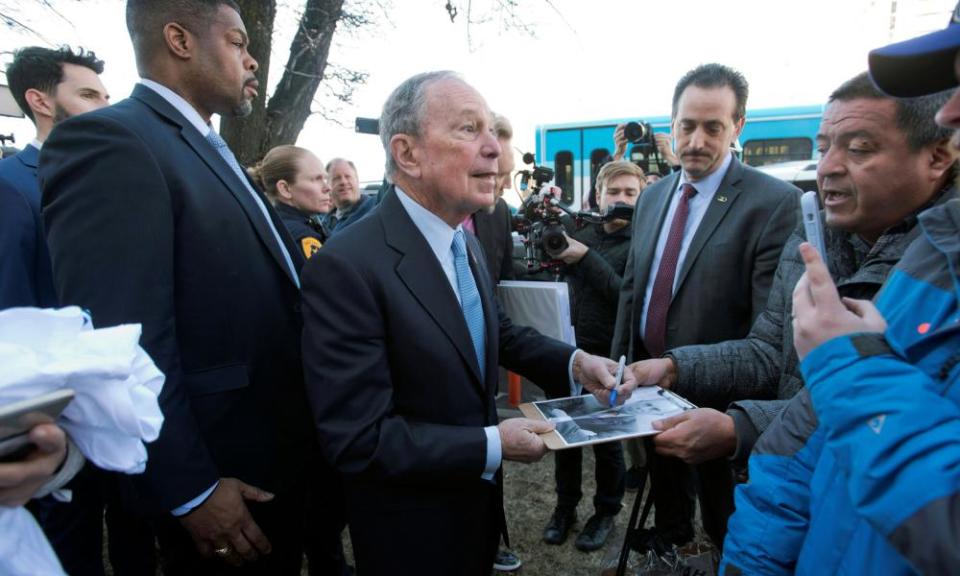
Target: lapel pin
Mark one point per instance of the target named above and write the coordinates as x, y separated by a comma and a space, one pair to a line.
721, 198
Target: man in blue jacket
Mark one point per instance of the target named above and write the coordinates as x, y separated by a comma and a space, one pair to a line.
861, 473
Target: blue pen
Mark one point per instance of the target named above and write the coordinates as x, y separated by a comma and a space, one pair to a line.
619, 379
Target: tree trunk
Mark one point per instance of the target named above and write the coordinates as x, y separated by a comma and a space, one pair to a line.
291, 102
280, 121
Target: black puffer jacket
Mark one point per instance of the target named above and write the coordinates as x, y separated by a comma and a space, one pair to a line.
595, 286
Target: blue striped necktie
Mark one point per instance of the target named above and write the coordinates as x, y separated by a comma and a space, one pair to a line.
469, 298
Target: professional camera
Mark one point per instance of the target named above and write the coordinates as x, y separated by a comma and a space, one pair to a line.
539, 220
645, 153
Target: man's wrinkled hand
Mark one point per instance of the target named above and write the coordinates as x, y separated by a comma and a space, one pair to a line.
574, 252
520, 440
223, 528
696, 436
654, 372
597, 375
20, 480
819, 314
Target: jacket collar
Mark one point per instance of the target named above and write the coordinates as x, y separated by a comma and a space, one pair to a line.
29, 157
218, 166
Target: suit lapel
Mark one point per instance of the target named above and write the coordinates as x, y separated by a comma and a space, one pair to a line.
423, 276
725, 197
219, 166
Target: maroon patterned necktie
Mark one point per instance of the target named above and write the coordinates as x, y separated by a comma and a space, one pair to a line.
654, 335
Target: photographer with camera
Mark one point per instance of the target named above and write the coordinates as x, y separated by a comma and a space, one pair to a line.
595, 257
642, 133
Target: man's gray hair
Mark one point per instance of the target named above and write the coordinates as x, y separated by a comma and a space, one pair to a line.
404, 110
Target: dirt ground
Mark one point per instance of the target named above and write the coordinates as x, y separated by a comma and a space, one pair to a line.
529, 499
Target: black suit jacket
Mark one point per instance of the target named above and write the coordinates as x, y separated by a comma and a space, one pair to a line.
725, 278
398, 398
493, 231
147, 224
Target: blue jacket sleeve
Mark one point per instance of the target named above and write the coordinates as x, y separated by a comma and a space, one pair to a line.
898, 439
767, 531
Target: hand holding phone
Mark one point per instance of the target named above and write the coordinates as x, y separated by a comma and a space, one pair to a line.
20, 479
18, 418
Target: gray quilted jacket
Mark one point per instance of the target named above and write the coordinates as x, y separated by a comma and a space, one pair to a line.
753, 379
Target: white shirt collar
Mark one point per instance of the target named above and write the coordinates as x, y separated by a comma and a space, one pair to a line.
709, 185
439, 234
36, 144
178, 102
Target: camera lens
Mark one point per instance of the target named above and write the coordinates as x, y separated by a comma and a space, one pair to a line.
635, 132
554, 242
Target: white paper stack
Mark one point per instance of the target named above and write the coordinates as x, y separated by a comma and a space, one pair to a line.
113, 413
544, 306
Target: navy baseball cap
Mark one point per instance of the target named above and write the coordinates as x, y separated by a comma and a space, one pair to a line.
919, 66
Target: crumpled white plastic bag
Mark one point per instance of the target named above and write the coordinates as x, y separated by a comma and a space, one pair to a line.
23, 547
113, 413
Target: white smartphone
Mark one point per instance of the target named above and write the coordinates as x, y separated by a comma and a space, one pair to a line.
812, 225
18, 418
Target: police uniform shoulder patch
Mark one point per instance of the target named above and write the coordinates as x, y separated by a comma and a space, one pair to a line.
310, 245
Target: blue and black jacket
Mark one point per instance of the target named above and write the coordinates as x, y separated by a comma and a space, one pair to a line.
861, 473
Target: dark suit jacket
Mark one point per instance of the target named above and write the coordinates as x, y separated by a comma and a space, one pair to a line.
728, 269
25, 275
493, 232
398, 399
146, 223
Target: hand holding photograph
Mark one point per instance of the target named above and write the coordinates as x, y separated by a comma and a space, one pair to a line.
582, 420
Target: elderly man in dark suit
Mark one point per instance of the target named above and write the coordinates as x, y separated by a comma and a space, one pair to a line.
706, 244
402, 381
150, 219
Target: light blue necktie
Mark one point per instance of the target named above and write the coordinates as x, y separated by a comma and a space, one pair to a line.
469, 298
221, 147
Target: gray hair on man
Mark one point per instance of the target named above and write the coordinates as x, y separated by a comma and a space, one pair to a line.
404, 109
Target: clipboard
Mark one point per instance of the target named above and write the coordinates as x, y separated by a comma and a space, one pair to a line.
582, 421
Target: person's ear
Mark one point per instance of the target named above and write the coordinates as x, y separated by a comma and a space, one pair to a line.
406, 155
283, 190
738, 125
40, 103
180, 42
942, 157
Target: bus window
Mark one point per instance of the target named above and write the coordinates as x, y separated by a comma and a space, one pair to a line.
774, 150
563, 174
598, 158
